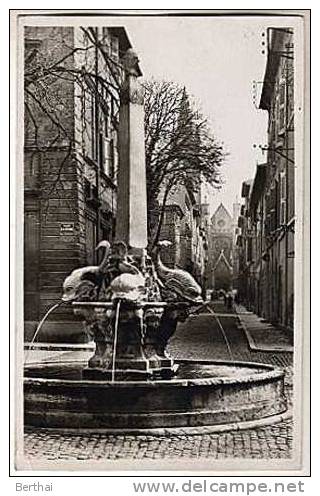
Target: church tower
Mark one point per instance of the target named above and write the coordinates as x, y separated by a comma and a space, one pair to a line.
221, 248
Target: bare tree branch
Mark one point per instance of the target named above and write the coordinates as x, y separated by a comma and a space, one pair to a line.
180, 147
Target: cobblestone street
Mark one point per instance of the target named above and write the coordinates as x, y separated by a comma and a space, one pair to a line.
267, 442
199, 338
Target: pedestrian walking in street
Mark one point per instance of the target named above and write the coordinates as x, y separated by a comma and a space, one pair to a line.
229, 299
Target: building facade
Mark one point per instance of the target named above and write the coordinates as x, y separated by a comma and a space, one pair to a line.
268, 217
72, 96
236, 207
245, 245
184, 225
221, 247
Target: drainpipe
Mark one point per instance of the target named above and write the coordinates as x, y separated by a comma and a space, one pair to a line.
97, 133
287, 193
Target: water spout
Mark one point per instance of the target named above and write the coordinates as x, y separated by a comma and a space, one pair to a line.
42, 321
116, 325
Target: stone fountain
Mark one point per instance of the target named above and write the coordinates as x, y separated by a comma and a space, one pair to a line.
131, 305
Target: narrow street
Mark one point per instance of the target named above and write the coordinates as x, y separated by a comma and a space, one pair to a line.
205, 340
200, 337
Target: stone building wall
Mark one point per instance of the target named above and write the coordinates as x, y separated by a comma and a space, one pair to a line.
51, 180
267, 278
70, 164
182, 226
278, 99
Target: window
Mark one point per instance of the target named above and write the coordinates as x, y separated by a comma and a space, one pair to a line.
283, 198
290, 93
283, 185
31, 266
281, 119
282, 91
106, 124
102, 151
31, 50
281, 106
105, 39
114, 48
111, 169
88, 121
249, 249
107, 157
110, 157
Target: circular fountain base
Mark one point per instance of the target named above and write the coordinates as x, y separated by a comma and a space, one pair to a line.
203, 393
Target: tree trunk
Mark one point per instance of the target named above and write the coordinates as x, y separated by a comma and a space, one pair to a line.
161, 217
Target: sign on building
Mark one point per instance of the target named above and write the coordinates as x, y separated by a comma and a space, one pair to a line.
66, 228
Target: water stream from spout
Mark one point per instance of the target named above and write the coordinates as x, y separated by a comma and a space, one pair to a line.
38, 329
115, 339
142, 329
222, 332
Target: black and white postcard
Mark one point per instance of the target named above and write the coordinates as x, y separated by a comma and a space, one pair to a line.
162, 241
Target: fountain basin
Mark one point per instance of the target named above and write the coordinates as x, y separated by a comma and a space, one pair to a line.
203, 393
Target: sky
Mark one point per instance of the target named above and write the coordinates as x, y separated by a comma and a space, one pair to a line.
217, 60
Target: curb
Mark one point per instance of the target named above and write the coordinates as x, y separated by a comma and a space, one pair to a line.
207, 314
265, 348
176, 431
59, 347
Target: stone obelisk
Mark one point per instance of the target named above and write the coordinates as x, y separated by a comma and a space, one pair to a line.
131, 224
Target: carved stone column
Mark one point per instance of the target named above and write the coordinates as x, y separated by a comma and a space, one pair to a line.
131, 225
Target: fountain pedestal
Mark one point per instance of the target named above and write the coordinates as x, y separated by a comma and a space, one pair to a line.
133, 370
130, 338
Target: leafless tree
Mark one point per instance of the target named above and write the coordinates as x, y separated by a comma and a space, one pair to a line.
180, 146
49, 80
